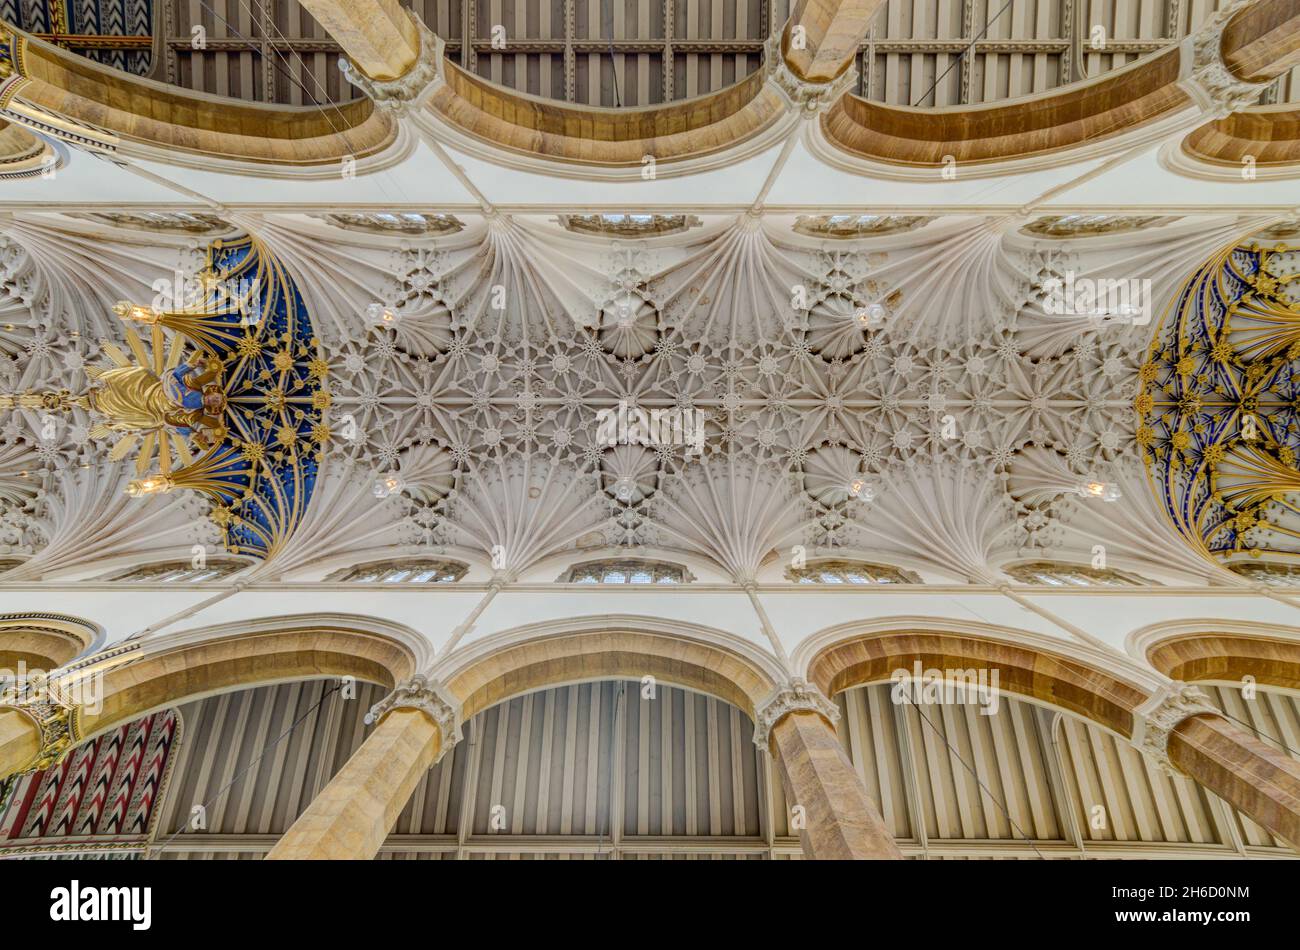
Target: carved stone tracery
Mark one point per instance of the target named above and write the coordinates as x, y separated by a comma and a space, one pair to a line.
54, 717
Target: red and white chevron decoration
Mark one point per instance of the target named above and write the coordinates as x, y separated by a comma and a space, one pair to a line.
105, 789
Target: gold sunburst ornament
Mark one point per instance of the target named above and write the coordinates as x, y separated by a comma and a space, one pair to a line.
1219, 403
224, 395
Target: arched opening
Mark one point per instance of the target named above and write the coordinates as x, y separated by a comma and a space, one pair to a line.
1037, 674
515, 668
142, 683
1228, 658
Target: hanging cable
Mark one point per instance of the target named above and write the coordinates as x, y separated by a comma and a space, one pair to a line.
613, 737
257, 761
1260, 734
975, 775
281, 63
607, 24
962, 54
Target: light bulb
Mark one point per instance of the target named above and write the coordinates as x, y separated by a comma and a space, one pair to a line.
134, 312
387, 485
871, 315
380, 315
861, 490
1106, 491
148, 486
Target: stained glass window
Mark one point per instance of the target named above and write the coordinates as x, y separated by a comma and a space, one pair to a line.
626, 571
849, 572
404, 572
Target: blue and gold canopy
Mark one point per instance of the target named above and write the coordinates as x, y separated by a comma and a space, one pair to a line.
1218, 404
226, 394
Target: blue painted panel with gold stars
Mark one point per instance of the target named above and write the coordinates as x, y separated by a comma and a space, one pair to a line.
230, 370
1218, 404
274, 398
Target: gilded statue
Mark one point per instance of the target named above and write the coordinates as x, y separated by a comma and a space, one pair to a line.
188, 399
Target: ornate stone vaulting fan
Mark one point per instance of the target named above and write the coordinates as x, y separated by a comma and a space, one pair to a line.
1218, 404
224, 395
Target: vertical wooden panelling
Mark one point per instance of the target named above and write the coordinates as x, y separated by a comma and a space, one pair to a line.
1121, 796
918, 52
581, 761
1027, 48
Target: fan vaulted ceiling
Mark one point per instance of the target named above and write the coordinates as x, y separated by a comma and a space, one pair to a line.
950, 431
747, 346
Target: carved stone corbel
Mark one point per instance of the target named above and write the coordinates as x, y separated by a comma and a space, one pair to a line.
400, 94
1161, 714
56, 720
809, 98
798, 695
1206, 77
431, 699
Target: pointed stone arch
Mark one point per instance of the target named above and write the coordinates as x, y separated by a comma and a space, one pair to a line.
1171, 721
540, 656
131, 680
1225, 652
1078, 680
177, 670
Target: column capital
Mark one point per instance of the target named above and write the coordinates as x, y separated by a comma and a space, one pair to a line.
1206, 77
398, 95
807, 96
1155, 719
55, 719
797, 695
431, 699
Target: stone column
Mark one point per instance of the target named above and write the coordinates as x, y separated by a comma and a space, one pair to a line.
822, 37
1255, 778
840, 821
1183, 731
353, 814
1261, 40
378, 36
1233, 57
